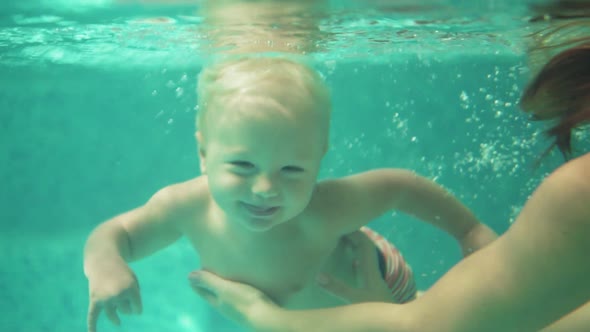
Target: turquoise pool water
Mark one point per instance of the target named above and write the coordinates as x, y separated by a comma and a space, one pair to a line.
97, 112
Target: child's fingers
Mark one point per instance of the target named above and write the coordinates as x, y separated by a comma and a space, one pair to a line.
93, 314
111, 311
130, 302
135, 301
124, 306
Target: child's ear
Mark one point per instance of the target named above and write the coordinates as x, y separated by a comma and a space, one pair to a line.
201, 147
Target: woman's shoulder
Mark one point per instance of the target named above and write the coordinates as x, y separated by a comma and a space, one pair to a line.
572, 178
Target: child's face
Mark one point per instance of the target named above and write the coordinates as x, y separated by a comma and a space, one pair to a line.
262, 167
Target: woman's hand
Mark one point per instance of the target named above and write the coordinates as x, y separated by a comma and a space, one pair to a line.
241, 303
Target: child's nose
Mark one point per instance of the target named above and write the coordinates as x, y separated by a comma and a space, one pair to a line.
265, 187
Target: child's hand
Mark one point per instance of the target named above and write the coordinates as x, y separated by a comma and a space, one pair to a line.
479, 237
113, 289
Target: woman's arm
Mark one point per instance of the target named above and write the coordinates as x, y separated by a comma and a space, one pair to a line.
576, 321
530, 277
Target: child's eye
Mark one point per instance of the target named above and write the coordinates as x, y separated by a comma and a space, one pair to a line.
242, 164
293, 169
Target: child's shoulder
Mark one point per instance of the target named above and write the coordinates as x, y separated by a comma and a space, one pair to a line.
328, 192
331, 192
193, 193
360, 178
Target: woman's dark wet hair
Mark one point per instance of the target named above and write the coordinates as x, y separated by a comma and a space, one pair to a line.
560, 92
560, 89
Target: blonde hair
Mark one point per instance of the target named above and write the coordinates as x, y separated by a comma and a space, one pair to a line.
281, 80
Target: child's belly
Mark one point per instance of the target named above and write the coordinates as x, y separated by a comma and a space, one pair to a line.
284, 270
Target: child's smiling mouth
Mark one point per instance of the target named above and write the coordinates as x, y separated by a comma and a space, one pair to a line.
260, 211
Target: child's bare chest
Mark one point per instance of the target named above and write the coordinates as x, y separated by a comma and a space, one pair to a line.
281, 266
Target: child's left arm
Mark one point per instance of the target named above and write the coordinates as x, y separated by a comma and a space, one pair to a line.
376, 192
424, 199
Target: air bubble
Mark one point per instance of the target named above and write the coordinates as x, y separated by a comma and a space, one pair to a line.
464, 96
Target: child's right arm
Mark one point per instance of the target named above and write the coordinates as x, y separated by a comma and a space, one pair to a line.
130, 236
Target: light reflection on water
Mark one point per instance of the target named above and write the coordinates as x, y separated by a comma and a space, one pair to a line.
95, 33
